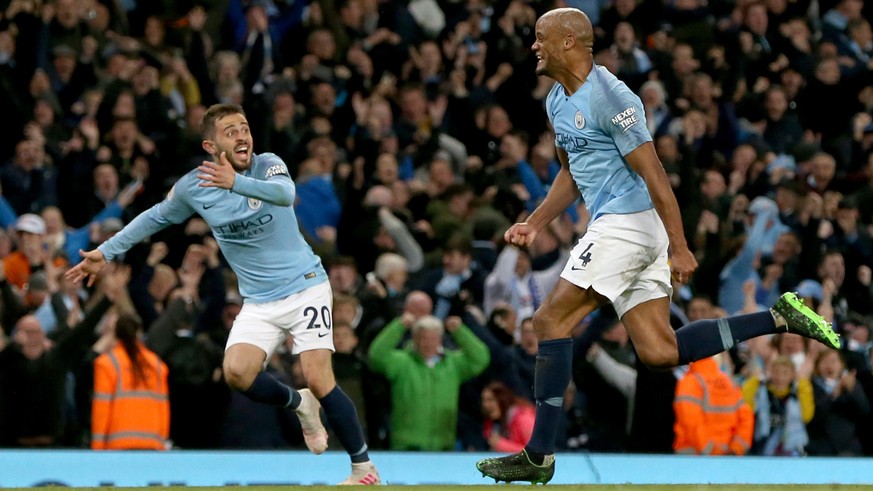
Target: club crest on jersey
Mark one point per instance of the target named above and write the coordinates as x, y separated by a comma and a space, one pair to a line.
579, 121
254, 204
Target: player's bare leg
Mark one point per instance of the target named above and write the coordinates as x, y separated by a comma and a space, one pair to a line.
243, 370
648, 325
659, 347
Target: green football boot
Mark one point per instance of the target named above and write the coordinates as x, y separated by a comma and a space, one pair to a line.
517, 467
804, 321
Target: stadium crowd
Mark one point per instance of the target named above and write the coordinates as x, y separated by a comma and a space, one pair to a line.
415, 133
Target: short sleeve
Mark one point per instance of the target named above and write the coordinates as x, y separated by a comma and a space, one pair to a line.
619, 112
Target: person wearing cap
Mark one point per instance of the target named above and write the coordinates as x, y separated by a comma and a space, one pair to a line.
32, 251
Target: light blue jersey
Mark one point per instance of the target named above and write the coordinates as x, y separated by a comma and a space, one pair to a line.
254, 224
598, 126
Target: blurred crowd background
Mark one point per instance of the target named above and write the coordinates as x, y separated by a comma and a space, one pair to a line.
415, 133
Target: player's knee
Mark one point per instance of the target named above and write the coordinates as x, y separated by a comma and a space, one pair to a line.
239, 376
544, 325
318, 371
659, 357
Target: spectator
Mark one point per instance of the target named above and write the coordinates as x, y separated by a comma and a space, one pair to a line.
343, 275
24, 178
503, 324
151, 288
370, 228
61, 306
764, 228
634, 63
32, 253
525, 353
840, 407
317, 204
425, 379
514, 282
378, 389
848, 235
658, 114
284, 128
860, 46
782, 130
226, 74
72, 71
382, 299
457, 282
131, 408
783, 404
711, 416
759, 48
835, 22
509, 418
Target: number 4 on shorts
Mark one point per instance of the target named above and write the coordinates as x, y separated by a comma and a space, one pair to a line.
585, 257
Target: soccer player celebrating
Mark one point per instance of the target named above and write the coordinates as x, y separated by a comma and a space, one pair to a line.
247, 201
607, 155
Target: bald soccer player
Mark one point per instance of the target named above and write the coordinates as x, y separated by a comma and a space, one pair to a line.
634, 241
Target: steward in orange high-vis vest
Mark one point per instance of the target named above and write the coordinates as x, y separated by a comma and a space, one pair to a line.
711, 416
131, 406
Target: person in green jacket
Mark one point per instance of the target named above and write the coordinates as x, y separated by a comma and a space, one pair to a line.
425, 379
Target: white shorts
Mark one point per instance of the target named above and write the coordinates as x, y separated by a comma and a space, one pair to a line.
623, 258
307, 316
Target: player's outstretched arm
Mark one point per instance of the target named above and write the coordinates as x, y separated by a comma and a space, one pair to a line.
172, 210
92, 263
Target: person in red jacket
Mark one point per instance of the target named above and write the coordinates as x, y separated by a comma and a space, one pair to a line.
711, 416
131, 405
509, 418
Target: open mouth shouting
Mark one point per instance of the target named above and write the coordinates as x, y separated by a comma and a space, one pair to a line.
242, 152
